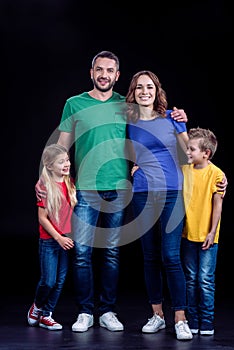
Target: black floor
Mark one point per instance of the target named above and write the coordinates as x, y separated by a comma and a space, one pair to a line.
19, 275
133, 311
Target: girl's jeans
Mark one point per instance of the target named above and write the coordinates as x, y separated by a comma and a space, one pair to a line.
54, 263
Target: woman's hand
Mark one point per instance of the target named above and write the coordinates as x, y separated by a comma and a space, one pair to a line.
134, 168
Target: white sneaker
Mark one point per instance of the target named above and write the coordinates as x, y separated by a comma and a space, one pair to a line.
183, 331
154, 324
84, 321
111, 322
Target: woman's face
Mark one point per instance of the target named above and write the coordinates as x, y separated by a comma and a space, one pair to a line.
145, 92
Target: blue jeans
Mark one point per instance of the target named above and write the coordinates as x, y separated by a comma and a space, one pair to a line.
199, 266
54, 262
97, 223
161, 244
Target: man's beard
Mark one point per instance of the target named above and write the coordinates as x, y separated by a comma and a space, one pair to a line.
103, 89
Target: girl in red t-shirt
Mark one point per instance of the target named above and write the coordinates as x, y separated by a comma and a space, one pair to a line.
54, 215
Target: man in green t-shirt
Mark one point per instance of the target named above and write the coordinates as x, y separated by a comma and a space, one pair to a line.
95, 123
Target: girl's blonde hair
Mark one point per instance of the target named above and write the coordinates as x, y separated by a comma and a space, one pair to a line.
54, 193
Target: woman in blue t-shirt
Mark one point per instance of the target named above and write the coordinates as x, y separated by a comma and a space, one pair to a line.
157, 196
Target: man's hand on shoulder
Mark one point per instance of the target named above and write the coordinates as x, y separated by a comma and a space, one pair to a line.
179, 115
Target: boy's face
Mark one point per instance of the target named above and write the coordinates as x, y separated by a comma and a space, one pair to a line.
194, 152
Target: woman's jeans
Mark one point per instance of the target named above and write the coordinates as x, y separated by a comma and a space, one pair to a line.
106, 209
54, 261
161, 245
199, 266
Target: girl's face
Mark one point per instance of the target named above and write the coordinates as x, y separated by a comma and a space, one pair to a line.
145, 92
61, 166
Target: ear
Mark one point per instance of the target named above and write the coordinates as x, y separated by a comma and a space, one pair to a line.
207, 153
91, 73
117, 76
48, 167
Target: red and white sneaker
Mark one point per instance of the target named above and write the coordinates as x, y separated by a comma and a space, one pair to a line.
49, 323
33, 315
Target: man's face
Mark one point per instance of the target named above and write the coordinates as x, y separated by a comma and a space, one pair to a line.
104, 74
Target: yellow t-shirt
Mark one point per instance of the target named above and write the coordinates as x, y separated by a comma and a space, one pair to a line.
198, 189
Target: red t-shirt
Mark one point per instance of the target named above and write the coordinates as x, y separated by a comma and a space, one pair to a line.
65, 213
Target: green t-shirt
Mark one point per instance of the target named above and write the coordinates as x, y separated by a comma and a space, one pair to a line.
99, 130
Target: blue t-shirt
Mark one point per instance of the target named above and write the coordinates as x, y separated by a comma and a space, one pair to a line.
156, 147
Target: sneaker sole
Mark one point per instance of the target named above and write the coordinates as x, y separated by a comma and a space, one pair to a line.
32, 323
51, 328
207, 332
111, 329
184, 338
155, 331
194, 331
81, 330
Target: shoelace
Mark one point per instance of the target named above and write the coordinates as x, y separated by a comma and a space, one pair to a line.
113, 318
182, 328
81, 318
50, 319
153, 320
35, 312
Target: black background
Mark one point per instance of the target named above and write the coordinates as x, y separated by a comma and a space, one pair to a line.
46, 52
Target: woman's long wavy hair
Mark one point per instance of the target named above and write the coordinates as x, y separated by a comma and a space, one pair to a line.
160, 103
54, 194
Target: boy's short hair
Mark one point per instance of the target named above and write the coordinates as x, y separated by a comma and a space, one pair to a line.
207, 139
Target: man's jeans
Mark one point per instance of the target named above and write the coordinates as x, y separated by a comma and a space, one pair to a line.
97, 223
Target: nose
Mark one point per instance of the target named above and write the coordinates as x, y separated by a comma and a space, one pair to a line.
104, 73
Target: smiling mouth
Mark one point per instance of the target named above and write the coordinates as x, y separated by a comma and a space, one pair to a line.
145, 97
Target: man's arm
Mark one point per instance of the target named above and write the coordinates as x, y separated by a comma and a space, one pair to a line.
179, 115
65, 139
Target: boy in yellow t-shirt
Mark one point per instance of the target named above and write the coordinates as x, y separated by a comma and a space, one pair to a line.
199, 247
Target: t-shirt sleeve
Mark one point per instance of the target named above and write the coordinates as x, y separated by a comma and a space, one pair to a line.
66, 123
219, 178
42, 203
179, 126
